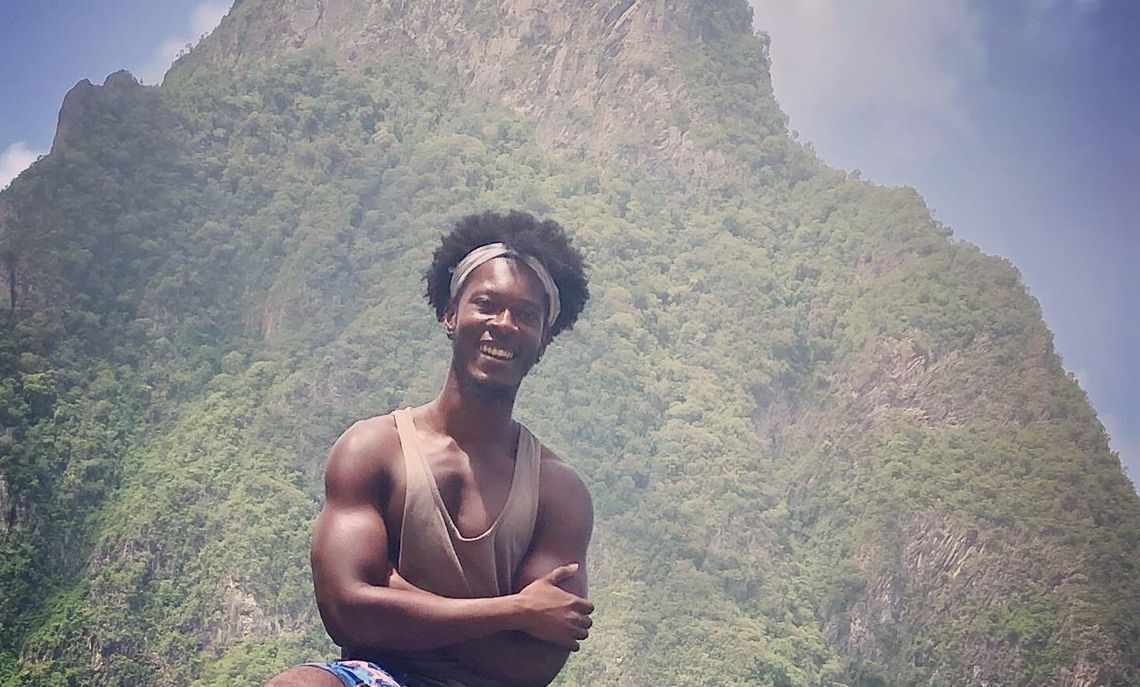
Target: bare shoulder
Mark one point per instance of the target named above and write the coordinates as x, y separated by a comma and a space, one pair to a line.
562, 493
361, 459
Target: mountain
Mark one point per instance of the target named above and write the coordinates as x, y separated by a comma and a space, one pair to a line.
828, 443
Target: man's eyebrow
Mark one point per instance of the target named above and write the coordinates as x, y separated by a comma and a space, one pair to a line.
490, 290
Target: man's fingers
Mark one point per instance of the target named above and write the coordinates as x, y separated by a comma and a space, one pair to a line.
562, 572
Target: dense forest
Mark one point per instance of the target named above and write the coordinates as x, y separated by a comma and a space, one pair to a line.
828, 443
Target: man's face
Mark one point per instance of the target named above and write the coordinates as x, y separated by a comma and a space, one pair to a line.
498, 326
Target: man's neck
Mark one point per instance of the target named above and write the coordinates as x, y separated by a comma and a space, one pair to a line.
467, 414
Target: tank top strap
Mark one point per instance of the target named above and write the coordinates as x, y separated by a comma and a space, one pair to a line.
516, 528
427, 554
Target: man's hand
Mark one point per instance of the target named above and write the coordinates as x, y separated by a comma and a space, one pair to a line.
395, 581
553, 614
549, 612
554, 570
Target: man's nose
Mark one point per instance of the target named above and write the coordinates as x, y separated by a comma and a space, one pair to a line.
505, 320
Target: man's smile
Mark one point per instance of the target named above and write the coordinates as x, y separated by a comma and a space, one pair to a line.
489, 349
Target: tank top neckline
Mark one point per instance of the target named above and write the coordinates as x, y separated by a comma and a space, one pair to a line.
454, 530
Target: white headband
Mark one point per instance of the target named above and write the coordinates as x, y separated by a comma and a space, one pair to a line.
491, 251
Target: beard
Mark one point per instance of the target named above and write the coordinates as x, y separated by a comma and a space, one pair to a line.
485, 390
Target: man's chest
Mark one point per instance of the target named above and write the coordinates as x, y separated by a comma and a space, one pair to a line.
473, 489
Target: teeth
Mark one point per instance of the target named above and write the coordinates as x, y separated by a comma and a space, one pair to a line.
496, 352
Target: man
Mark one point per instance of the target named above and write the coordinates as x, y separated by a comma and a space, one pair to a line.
451, 548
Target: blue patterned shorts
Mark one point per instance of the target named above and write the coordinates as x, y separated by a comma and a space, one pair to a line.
361, 674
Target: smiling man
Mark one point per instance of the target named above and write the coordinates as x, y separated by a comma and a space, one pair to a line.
451, 548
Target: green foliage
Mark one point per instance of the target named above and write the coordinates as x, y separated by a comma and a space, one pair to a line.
827, 445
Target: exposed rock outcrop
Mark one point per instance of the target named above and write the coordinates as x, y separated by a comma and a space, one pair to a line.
601, 78
79, 103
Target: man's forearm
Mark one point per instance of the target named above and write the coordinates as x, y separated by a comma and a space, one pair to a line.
404, 620
515, 658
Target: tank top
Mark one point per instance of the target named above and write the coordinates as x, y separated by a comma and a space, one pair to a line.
435, 556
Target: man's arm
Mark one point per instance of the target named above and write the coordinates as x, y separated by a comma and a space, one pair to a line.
562, 535
351, 569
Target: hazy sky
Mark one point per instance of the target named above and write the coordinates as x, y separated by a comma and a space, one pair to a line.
1017, 121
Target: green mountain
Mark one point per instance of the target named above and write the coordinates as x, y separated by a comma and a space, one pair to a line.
828, 443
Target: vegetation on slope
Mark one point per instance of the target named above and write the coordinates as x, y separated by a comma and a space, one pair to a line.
828, 444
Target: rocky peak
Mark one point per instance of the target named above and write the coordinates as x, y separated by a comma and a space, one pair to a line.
604, 77
78, 103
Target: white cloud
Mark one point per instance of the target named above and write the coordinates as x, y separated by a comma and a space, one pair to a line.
882, 76
903, 90
15, 159
204, 18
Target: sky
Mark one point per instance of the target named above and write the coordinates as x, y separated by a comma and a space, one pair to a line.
1018, 121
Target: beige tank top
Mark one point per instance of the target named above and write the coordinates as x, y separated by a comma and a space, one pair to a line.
435, 556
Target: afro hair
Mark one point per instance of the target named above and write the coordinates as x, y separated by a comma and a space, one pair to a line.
546, 241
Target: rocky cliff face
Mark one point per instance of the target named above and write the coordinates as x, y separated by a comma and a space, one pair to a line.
606, 79
81, 101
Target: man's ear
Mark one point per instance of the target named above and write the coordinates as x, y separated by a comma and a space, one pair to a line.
546, 338
449, 319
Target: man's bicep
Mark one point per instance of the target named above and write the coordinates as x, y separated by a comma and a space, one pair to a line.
350, 540
562, 530
350, 546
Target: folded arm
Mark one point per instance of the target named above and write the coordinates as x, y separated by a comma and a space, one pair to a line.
352, 570
562, 535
